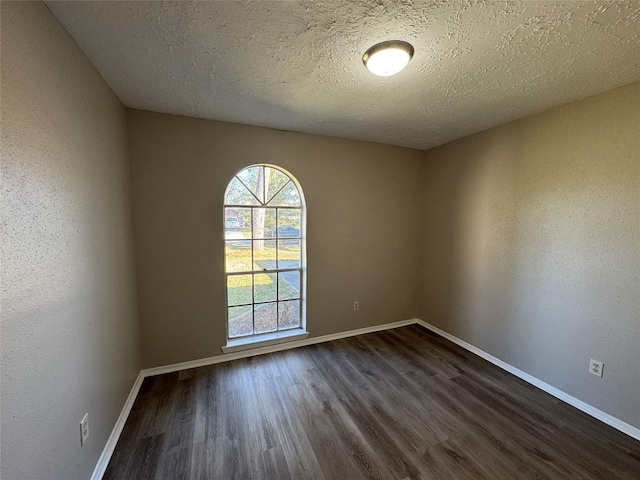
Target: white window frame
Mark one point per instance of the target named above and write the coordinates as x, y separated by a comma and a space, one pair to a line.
256, 340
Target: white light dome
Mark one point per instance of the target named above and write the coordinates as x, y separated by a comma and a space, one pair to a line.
388, 58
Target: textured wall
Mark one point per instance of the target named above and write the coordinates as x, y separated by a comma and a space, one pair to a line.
530, 246
69, 321
363, 207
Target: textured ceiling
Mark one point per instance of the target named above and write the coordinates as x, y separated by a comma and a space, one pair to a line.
297, 65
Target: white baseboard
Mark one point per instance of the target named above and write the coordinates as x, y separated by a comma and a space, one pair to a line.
103, 461
559, 394
227, 357
149, 372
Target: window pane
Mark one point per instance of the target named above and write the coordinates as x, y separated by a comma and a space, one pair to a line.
246, 222
237, 223
277, 180
239, 290
264, 254
266, 317
253, 178
237, 194
288, 223
264, 222
238, 255
264, 285
289, 314
240, 321
288, 197
288, 253
288, 285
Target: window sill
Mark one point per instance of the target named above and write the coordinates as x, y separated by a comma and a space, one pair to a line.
247, 343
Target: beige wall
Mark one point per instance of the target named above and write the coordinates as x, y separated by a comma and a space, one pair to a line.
363, 205
69, 324
528, 250
530, 246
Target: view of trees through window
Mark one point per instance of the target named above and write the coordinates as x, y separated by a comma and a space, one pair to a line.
263, 219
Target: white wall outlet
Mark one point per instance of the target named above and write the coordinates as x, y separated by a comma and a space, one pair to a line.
596, 367
356, 305
84, 429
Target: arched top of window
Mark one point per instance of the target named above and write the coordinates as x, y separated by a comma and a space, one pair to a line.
263, 185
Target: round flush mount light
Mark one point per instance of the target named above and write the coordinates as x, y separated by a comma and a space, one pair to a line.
388, 58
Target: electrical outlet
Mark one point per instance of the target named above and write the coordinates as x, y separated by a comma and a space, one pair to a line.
596, 367
356, 305
84, 429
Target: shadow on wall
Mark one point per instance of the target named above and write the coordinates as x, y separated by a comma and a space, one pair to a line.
469, 204
507, 250
530, 245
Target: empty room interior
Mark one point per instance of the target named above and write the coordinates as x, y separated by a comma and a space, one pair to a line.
239, 244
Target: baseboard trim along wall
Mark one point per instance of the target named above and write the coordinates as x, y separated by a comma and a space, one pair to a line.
103, 461
176, 367
150, 372
559, 394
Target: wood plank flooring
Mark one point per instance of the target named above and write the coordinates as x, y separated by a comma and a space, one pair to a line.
399, 404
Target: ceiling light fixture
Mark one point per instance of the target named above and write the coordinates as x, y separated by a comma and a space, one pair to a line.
388, 58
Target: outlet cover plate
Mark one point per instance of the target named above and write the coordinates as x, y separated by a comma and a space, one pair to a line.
84, 429
596, 368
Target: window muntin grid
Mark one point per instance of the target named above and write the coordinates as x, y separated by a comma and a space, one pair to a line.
264, 252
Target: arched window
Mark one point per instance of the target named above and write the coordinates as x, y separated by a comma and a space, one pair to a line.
264, 223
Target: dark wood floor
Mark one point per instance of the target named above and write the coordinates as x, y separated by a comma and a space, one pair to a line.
398, 404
